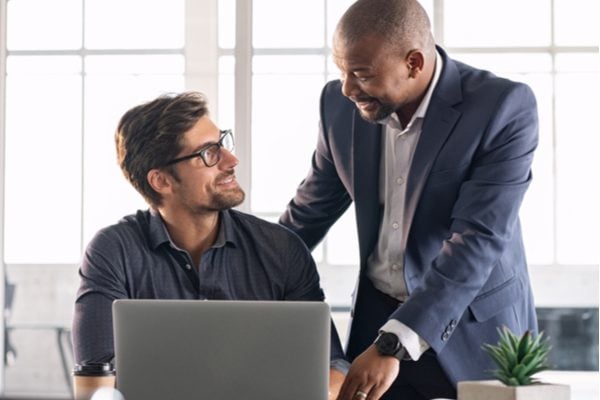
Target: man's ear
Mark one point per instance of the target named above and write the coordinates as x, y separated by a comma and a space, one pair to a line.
159, 180
415, 61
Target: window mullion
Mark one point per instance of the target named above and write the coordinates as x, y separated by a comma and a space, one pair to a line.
2, 173
243, 97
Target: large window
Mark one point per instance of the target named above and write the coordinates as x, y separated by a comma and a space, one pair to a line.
66, 86
70, 68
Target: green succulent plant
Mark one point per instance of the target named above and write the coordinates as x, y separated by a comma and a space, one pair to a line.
517, 358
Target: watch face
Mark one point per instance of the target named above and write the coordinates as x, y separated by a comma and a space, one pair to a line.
387, 343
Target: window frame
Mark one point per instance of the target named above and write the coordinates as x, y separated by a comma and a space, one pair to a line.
200, 73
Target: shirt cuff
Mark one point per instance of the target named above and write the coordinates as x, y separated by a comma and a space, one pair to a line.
414, 345
341, 365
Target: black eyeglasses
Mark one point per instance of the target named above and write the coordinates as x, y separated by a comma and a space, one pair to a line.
211, 153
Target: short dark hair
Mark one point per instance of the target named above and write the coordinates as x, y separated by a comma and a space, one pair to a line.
403, 24
150, 134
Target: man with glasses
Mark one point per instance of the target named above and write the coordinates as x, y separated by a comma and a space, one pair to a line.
190, 244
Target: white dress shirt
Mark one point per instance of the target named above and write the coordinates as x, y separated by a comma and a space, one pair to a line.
385, 266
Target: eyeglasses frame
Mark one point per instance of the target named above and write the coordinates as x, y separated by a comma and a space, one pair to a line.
200, 153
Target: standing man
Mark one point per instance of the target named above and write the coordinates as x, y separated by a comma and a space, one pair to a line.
190, 244
436, 156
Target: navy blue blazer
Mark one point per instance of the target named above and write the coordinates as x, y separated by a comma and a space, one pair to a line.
465, 265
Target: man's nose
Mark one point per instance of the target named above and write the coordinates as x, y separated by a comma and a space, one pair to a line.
349, 87
228, 160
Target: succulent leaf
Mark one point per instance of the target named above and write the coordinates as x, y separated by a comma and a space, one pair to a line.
518, 358
524, 345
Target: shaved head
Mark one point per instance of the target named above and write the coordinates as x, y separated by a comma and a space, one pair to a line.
401, 24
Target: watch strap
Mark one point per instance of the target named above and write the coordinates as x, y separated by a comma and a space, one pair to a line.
401, 353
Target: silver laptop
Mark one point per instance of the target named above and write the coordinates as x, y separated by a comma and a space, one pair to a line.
221, 350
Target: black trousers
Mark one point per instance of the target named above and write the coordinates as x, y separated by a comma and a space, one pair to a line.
421, 380
418, 380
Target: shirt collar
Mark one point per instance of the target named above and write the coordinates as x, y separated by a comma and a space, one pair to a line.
159, 234
393, 121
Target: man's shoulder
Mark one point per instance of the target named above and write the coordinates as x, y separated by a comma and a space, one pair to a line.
335, 109
479, 91
240, 217
258, 226
333, 87
333, 96
130, 228
272, 240
476, 81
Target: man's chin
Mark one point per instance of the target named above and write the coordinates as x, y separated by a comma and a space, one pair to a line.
368, 116
230, 199
375, 115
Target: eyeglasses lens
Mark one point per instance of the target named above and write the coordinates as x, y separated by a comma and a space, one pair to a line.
227, 141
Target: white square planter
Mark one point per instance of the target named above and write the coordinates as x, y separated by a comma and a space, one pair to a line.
496, 390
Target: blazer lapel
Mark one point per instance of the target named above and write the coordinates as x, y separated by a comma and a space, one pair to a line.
438, 124
367, 155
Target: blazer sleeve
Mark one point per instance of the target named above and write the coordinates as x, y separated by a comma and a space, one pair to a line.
321, 197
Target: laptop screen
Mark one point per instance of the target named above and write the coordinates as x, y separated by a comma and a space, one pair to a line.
209, 349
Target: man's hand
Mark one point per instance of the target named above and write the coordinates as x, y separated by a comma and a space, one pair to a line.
336, 379
370, 376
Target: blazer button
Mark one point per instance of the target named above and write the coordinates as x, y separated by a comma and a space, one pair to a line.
453, 323
445, 336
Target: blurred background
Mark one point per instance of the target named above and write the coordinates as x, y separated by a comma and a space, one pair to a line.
70, 68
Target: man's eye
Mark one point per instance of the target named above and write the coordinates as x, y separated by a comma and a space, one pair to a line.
363, 78
211, 151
